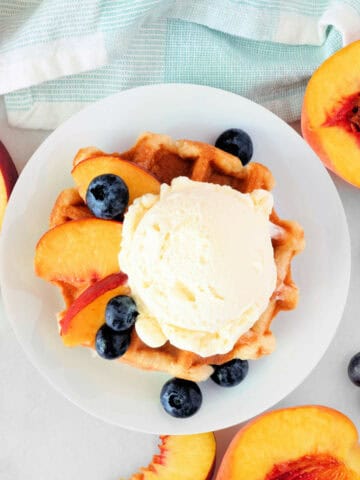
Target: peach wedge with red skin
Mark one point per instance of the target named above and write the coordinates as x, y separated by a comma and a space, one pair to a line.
79, 252
138, 180
8, 177
181, 457
308, 443
330, 119
84, 317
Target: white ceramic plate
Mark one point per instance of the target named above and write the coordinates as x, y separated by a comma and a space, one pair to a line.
124, 395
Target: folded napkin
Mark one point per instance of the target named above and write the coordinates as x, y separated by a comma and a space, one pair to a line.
58, 56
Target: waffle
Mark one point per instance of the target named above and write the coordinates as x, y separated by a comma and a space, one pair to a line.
167, 159
68, 206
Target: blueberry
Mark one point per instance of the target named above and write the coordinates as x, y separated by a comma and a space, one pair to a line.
120, 313
110, 344
354, 369
230, 373
107, 196
237, 142
180, 398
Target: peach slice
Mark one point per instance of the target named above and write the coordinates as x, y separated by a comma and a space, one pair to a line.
79, 251
309, 443
182, 457
91, 152
86, 153
80, 322
8, 177
138, 180
330, 119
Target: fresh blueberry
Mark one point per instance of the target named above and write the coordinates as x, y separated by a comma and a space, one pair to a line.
107, 196
230, 373
354, 369
237, 142
180, 398
120, 313
110, 344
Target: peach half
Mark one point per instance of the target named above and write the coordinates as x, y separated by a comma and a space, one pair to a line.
79, 252
301, 443
8, 177
330, 118
138, 180
181, 457
84, 317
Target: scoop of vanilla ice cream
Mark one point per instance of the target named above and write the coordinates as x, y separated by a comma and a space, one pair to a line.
200, 264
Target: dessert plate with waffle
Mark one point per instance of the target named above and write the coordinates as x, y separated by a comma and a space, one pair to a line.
169, 260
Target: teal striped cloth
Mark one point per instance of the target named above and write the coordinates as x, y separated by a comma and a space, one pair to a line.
58, 56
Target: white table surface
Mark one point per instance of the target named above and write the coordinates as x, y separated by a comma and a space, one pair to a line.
44, 436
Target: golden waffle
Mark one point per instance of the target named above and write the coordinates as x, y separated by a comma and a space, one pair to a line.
167, 159
68, 206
